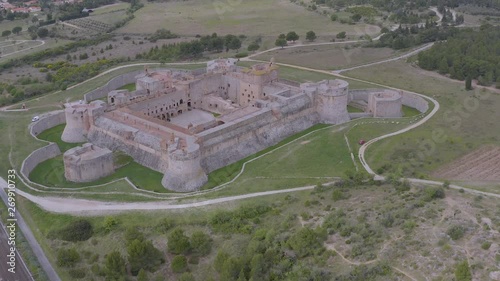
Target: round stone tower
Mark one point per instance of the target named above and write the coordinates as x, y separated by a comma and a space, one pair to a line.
77, 123
184, 172
331, 98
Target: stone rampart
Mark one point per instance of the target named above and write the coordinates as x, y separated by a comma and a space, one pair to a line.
48, 121
87, 163
113, 84
408, 99
253, 134
38, 156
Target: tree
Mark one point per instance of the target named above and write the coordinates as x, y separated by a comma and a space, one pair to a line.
292, 36
34, 19
219, 261
178, 243
334, 17
142, 276
253, 47
282, 36
231, 269
179, 264
17, 29
468, 83
304, 242
356, 17
258, 267
115, 266
235, 44
462, 272
311, 36
341, 35
6, 33
280, 42
142, 254
201, 242
42, 32
79, 230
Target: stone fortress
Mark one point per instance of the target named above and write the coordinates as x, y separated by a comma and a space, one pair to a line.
187, 124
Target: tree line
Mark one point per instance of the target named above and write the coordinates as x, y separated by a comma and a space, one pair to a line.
467, 54
193, 49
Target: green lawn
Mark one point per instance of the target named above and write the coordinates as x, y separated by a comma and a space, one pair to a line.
130, 87
51, 173
352, 109
54, 135
410, 111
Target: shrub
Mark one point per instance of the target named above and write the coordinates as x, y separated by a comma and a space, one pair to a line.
456, 232
178, 243
253, 47
462, 272
79, 230
304, 242
179, 264
201, 242
67, 257
165, 225
432, 193
77, 273
486, 245
142, 254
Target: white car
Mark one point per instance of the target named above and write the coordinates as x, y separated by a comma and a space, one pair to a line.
34, 119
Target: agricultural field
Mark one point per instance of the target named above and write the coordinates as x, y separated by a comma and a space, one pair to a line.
328, 57
252, 18
482, 164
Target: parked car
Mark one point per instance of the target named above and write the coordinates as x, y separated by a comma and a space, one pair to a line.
34, 119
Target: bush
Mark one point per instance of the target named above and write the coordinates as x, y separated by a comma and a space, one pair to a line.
201, 242
143, 255
456, 232
178, 243
79, 230
304, 242
486, 245
179, 264
432, 193
78, 273
253, 47
462, 272
67, 257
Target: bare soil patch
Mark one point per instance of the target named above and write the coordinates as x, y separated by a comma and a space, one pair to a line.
482, 164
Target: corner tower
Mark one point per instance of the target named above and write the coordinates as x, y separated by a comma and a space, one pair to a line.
330, 99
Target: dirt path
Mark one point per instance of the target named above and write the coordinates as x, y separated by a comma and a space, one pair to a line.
42, 42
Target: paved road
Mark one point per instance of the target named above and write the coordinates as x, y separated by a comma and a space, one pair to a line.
21, 271
28, 235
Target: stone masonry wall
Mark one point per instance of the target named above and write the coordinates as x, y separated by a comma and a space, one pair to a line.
38, 156
48, 121
231, 142
408, 99
112, 84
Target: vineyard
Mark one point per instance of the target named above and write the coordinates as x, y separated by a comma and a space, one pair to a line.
482, 164
93, 25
